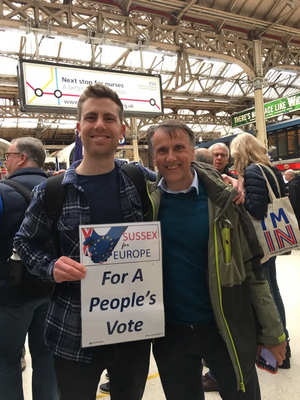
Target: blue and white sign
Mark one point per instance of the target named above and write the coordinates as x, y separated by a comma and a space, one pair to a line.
122, 294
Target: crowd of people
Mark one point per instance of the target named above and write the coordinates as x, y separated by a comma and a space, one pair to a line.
221, 304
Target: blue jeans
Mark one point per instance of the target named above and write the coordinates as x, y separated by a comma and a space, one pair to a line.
15, 323
269, 271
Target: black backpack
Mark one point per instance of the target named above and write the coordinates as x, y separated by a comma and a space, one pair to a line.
19, 278
53, 203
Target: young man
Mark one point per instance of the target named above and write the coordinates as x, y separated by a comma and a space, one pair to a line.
22, 314
218, 304
97, 192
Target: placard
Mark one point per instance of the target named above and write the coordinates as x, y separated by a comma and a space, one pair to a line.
122, 294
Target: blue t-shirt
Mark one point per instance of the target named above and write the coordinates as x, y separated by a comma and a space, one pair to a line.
185, 231
103, 194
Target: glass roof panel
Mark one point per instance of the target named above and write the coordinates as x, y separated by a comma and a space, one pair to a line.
10, 40
111, 53
49, 46
8, 66
232, 70
75, 49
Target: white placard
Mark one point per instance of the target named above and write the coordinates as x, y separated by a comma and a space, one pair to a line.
58, 87
122, 294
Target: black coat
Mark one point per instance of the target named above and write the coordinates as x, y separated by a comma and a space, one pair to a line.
227, 172
256, 196
14, 207
294, 195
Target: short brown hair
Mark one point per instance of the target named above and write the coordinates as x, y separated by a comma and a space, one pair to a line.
99, 91
170, 126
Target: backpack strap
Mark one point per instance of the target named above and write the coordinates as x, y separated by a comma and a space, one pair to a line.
23, 190
137, 178
53, 203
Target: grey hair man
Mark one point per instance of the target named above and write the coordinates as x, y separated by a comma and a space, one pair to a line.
27, 312
204, 155
289, 175
225, 333
220, 154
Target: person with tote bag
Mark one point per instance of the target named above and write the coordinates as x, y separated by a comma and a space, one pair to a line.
247, 152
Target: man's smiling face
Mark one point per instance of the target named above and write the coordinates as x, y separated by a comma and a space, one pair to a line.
173, 156
100, 128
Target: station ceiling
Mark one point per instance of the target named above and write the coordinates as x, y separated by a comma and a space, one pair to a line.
203, 50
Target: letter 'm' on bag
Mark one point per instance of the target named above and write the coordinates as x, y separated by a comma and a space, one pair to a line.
278, 231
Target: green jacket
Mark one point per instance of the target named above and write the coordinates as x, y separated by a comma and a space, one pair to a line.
244, 309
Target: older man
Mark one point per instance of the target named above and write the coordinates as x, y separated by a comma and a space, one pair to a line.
218, 304
21, 313
220, 154
204, 155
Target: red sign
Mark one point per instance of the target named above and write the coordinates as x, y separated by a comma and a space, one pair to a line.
284, 167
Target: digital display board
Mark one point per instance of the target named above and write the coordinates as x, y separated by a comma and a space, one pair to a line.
292, 142
57, 87
282, 144
272, 140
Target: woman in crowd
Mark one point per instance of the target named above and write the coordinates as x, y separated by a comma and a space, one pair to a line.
247, 151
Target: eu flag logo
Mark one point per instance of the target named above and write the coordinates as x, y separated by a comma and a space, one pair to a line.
100, 247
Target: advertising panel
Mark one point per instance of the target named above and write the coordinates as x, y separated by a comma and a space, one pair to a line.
272, 109
57, 87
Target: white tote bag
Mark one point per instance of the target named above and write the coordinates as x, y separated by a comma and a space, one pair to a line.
278, 231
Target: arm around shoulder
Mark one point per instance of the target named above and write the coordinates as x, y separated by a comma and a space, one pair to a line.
148, 174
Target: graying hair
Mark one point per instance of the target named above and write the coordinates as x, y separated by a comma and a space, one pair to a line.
219, 144
170, 126
33, 148
291, 172
204, 155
